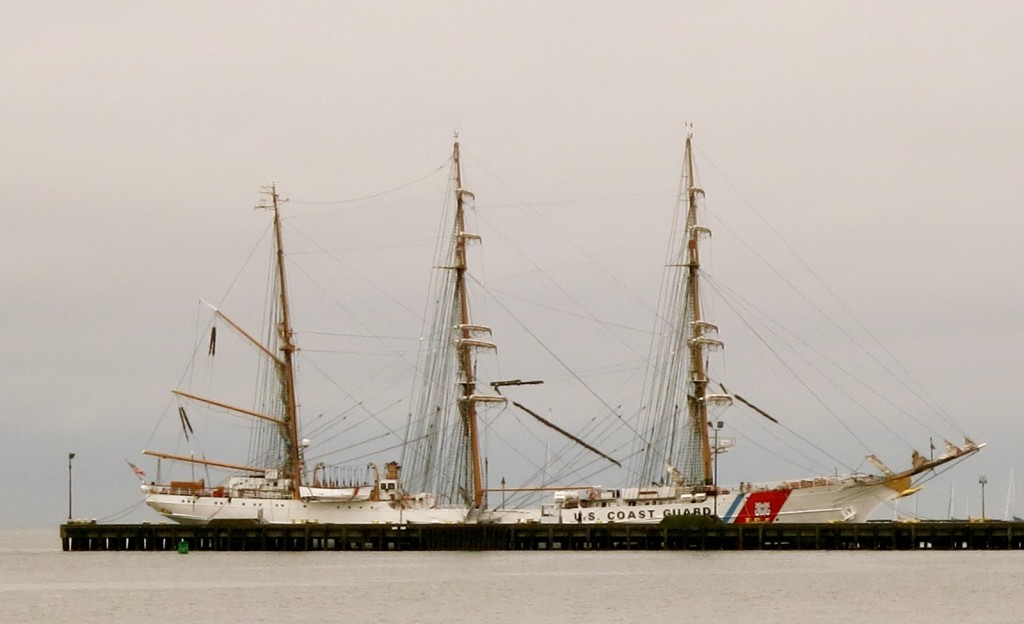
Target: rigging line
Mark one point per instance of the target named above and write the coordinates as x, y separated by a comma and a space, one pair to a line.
927, 398
332, 421
427, 396
561, 362
344, 335
346, 448
806, 387
517, 449
392, 352
570, 240
542, 470
529, 431
319, 428
786, 458
411, 202
580, 476
248, 259
569, 313
122, 512
585, 200
722, 290
662, 374
597, 429
587, 313
408, 244
937, 471
561, 456
324, 427
569, 467
374, 195
358, 274
379, 451
190, 367
883, 396
359, 404
610, 255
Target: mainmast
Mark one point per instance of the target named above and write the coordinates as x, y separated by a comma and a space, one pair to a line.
443, 453
286, 367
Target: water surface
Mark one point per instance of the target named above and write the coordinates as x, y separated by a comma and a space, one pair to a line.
40, 583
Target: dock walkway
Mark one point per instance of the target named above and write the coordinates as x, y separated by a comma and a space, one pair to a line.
237, 536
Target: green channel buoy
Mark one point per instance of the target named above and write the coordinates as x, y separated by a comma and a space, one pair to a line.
182, 547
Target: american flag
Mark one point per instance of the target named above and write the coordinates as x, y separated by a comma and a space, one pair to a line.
139, 472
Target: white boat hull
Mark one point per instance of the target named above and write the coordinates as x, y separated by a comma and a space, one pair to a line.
187, 509
844, 500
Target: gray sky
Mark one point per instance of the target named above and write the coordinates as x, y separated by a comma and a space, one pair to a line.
882, 141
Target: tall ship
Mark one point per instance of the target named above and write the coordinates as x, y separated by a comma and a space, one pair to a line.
441, 473
443, 482
676, 470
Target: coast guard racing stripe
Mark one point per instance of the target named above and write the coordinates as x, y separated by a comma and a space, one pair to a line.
762, 506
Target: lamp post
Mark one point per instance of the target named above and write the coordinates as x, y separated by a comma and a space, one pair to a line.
716, 427
983, 480
70, 457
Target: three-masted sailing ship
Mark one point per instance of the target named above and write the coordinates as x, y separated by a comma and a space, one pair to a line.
676, 470
276, 486
441, 476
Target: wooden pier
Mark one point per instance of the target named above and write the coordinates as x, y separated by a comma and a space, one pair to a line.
237, 536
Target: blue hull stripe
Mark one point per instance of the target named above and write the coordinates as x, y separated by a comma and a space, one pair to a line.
732, 508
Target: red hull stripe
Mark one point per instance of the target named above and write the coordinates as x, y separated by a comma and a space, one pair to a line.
762, 506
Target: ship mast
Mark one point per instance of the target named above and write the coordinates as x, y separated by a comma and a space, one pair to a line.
697, 403
286, 368
467, 402
677, 398
443, 452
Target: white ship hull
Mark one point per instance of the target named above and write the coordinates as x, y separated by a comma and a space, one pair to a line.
201, 509
268, 500
848, 499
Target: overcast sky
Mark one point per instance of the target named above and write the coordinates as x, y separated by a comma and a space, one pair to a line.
879, 143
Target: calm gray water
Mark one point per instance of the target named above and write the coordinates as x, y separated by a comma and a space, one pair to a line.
40, 583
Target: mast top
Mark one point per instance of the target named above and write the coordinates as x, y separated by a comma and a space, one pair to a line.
275, 199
